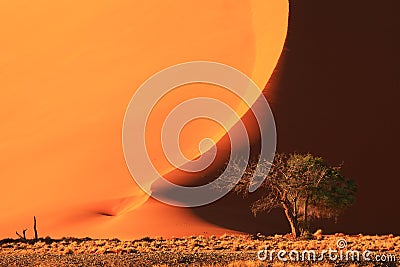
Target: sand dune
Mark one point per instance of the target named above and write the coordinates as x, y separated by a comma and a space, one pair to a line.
67, 73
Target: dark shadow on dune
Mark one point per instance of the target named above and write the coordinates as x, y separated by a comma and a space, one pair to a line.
232, 212
335, 94
105, 214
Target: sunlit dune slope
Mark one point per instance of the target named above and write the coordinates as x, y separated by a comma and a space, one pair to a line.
67, 73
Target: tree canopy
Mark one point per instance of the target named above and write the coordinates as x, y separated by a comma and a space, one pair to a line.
304, 186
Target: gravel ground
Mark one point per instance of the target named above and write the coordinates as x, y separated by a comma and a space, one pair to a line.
155, 259
139, 259
186, 251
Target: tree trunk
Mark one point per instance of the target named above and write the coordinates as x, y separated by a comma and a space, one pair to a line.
34, 228
306, 214
294, 225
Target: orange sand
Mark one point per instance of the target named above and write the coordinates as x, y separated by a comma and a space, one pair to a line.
67, 72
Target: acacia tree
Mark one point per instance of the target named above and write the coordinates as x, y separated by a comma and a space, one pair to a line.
304, 186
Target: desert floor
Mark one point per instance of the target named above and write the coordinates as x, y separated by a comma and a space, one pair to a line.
225, 250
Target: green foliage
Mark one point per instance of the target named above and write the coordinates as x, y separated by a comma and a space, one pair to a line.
334, 194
